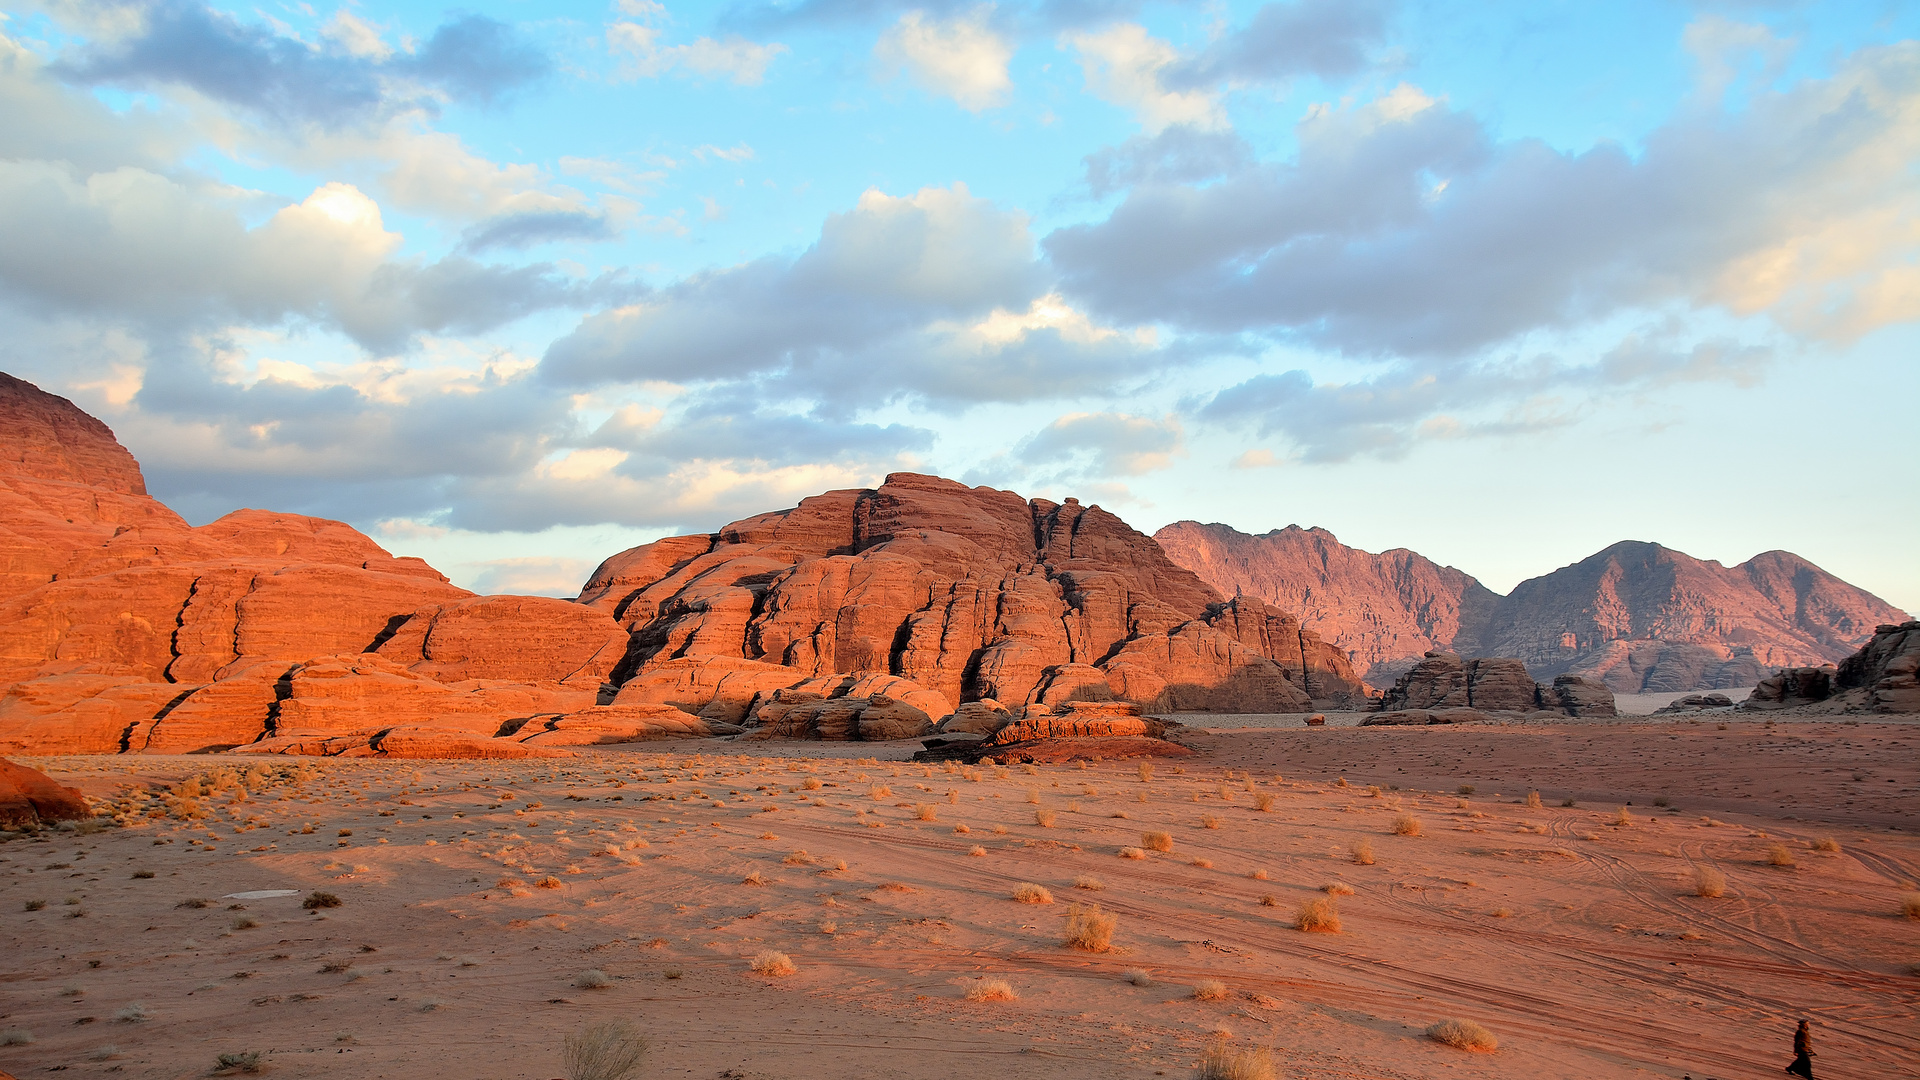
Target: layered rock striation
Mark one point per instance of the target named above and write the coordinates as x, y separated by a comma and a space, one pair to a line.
957, 594
1883, 677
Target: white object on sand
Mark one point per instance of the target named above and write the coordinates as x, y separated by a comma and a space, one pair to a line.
261, 894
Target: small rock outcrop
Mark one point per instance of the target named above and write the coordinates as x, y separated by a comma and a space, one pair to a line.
30, 798
1883, 677
1443, 681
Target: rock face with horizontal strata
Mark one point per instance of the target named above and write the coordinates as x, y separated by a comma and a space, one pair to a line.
965, 593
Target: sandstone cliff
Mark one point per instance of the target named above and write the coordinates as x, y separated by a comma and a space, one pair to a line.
1638, 617
964, 593
1883, 677
874, 612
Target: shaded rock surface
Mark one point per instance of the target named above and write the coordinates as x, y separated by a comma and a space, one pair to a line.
1883, 677
1639, 617
1442, 680
29, 797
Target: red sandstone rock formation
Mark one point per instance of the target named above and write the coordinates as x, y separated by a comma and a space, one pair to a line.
1638, 617
1883, 677
122, 628
29, 797
959, 593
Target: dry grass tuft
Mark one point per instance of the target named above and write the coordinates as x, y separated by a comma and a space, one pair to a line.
1132, 853
1337, 888
1045, 818
1208, 821
1139, 977
1623, 817
811, 783
1318, 917
976, 851
1263, 802
1157, 841
1533, 800
1708, 882
593, 979
753, 878
316, 901
1406, 825
1222, 1062
549, 882
1089, 882
1464, 1034
246, 1061
1778, 855
1089, 928
16, 1037
1211, 990
1910, 905
1826, 843
1028, 893
991, 990
798, 858
772, 963
610, 1050
1363, 851
924, 812
1146, 772
1269, 901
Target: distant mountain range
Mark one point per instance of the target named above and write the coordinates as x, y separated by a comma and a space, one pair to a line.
1640, 617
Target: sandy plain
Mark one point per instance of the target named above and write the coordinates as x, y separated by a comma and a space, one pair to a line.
476, 898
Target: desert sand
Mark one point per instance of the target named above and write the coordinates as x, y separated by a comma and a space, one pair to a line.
479, 899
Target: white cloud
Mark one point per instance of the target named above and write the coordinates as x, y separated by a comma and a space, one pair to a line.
1126, 66
961, 57
744, 62
1103, 445
355, 36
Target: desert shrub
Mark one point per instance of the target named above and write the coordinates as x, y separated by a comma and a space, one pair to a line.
245, 922
1132, 853
1089, 882
1708, 882
35, 905
1269, 901
673, 973
1363, 851
753, 878
1318, 917
1778, 855
549, 882
1028, 893
991, 990
1662, 801
1222, 1062
1406, 825
609, 1050
1208, 821
1033, 796
924, 812
15, 1037
1337, 888
1502, 913
1156, 841
976, 850
1826, 843
335, 967
1044, 818
1623, 817
1089, 928
1464, 1034
1910, 905
135, 1013
1210, 990
1258, 875
1465, 789
829, 927
104, 1053
1263, 802
1139, 977
811, 783
142, 875
246, 1061
1533, 800
1568, 803
798, 858
773, 963
317, 900
593, 979
1146, 772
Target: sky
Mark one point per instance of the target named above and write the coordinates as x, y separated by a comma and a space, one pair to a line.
516, 285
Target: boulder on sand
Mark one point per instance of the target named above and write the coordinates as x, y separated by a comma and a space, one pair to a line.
29, 797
